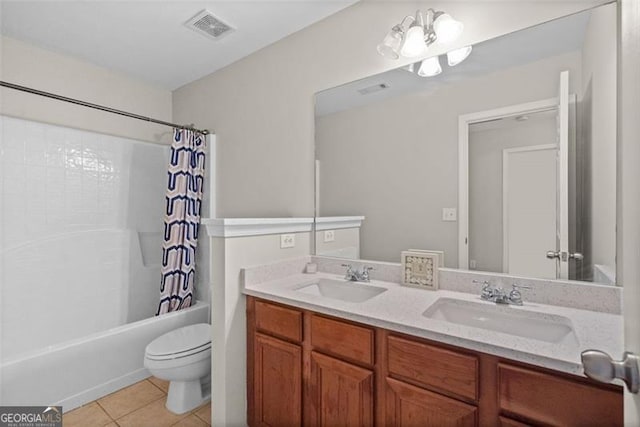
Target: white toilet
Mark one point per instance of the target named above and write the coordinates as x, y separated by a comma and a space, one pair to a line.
183, 357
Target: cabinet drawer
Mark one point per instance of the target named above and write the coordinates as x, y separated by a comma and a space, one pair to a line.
342, 339
548, 399
433, 367
279, 321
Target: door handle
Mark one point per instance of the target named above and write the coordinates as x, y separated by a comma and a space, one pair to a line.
577, 256
563, 256
599, 366
553, 254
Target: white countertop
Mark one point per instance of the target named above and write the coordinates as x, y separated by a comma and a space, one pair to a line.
400, 309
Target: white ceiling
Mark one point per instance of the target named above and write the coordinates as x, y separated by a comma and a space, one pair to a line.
147, 39
521, 47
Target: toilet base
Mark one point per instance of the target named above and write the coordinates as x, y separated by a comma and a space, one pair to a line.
183, 396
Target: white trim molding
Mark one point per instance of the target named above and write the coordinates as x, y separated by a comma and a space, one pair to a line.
336, 222
238, 227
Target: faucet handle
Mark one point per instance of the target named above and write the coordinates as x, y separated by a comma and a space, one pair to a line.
515, 296
365, 272
487, 291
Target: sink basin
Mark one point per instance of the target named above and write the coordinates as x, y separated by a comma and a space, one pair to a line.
341, 290
507, 320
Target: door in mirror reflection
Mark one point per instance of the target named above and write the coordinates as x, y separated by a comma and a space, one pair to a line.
518, 188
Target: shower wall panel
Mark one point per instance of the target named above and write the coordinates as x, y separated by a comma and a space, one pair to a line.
80, 234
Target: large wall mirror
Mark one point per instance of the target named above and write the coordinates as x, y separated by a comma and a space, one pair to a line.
505, 162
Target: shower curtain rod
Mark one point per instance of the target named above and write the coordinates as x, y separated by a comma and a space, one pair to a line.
98, 107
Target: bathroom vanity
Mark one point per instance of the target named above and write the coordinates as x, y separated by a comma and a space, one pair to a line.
389, 361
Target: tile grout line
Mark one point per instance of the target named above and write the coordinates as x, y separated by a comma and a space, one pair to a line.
130, 412
199, 417
148, 404
105, 411
156, 386
203, 420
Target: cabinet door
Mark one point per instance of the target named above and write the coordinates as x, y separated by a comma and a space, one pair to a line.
410, 406
341, 393
277, 382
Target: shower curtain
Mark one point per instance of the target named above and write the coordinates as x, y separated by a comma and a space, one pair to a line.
182, 219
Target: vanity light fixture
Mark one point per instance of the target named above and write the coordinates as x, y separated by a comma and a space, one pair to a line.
455, 57
430, 67
414, 44
414, 34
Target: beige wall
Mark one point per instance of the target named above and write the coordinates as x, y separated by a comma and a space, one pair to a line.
598, 106
28, 65
407, 170
346, 243
228, 318
261, 107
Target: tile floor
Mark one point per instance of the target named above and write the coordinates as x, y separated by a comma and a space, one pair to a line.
139, 405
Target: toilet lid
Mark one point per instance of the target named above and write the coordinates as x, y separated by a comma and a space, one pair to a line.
185, 339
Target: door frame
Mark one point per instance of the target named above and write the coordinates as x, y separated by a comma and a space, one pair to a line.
505, 194
464, 121
628, 174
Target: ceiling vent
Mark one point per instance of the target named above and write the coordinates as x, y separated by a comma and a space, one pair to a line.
208, 25
373, 89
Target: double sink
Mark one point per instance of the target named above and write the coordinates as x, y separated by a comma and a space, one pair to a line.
488, 316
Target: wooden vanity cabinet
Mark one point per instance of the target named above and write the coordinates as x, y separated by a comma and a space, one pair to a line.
308, 369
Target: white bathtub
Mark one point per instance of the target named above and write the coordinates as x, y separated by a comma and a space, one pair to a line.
81, 370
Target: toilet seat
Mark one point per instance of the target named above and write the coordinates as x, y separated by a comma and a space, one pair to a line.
178, 362
180, 343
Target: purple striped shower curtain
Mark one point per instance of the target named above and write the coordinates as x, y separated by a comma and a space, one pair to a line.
182, 219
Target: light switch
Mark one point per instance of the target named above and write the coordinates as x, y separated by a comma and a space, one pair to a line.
287, 241
329, 236
449, 214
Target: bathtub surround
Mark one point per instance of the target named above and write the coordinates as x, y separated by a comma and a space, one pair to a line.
182, 219
89, 231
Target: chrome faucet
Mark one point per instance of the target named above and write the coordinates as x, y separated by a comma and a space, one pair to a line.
353, 275
499, 295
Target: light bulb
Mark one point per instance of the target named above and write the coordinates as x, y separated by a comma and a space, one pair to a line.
430, 67
447, 29
414, 42
390, 46
457, 56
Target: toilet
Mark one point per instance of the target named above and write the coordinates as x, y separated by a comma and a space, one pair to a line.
183, 357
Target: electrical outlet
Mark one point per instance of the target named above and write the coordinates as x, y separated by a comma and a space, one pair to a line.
449, 214
287, 241
473, 264
329, 235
